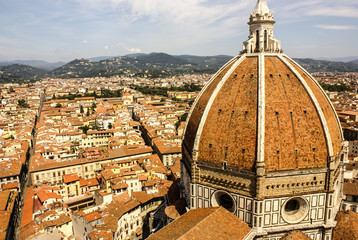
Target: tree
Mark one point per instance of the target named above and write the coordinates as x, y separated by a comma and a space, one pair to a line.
336, 87
93, 106
183, 117
110, 125
96, 125
22, 103
177, 124
162, 99
11, 137
84, 128
87, 113
81, 109
12, 89
58, 105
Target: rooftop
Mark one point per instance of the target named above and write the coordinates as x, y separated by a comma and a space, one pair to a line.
204, 223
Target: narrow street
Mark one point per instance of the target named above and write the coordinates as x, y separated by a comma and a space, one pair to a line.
25, 182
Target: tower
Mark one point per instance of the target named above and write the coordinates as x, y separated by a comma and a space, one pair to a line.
261, 37
264, 141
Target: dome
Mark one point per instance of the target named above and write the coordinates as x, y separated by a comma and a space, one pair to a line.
263, 107
263, 141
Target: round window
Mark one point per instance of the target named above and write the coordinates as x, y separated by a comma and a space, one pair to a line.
292, 206
226, 201
223, 199
295, 210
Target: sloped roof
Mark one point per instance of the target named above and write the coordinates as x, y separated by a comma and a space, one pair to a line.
70, 178
295, 235
90, 217
28, 207
347, 226
350, 188
45, 195
204, 223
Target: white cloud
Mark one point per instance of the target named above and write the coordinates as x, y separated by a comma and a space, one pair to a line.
172, 25
134, 50
6, 41
59, 50
336, 27
293, 11
335, 11
186, 12
308, 46
84, 41
106, 47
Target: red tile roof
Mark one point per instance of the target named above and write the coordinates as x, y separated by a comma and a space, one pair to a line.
347, 226
45, 195
92, 182
10, 186
350, 188
4, 198
70, 178
28, 207
83, 182
295, 235
204, 223
92, 216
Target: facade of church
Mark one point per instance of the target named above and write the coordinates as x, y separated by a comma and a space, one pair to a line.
264, 141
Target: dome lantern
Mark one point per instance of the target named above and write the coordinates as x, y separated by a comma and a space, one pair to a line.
261, 38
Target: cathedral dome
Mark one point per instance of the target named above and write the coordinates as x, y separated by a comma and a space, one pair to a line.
263, 140
262, 108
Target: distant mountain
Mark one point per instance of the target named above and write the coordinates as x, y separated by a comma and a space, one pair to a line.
152, 65
162, 64
34, 63
19, 73
135, 54
341, 59
312, 65
161, 59
158, 65
110, 57
100, 58
212, 61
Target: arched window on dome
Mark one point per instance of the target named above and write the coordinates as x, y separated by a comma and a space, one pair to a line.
257, 41
265, 41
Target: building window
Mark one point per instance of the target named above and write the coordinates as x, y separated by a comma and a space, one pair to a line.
295, 210
265, 40
224, 199
224, 165
257, 40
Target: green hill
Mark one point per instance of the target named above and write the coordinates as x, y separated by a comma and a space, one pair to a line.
151, 65
20, 73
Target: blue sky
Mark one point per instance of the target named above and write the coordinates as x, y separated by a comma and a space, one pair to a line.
62, 30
